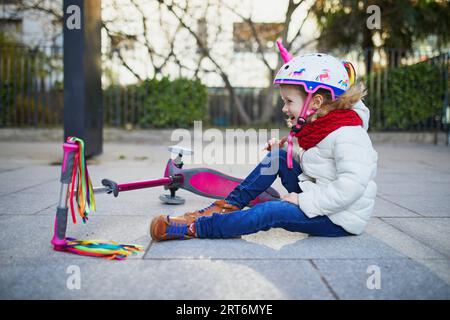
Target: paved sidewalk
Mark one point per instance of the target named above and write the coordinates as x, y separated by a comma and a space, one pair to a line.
408, 238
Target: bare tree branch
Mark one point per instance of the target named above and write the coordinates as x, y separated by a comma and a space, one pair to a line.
171, 41
250, 23
287, 21
145, 31
23, 5
296, 51
289, 43
245, 117
120, 56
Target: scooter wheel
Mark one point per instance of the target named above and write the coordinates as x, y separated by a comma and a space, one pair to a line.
167, 199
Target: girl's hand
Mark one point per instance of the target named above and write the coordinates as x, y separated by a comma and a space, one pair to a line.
273, 142
291, 197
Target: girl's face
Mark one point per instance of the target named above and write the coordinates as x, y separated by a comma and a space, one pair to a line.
293, 100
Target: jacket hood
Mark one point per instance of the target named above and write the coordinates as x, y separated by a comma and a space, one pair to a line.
363, 112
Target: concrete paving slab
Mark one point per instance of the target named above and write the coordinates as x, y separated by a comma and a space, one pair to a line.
27, 203
399, 279
384, 208
401, 241
5, 167
440, 267
29, 236
411, 188
410, 175
177, 279
420, 252
428, 206
31, 200
273, 244
26, 178
434, 232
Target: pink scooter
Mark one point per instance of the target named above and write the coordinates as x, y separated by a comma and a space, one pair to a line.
202, 181
74, 172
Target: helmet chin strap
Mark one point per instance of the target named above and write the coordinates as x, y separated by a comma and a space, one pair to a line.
301, 121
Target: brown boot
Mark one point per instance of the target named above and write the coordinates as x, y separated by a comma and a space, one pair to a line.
169, 228
219, 206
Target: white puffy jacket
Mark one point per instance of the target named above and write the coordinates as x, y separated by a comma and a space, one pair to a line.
338, 176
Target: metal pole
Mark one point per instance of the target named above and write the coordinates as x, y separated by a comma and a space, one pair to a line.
82, 73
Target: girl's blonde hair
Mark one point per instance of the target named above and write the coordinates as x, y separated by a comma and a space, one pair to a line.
344, 101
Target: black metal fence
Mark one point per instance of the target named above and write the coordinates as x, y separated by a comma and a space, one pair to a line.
31, 91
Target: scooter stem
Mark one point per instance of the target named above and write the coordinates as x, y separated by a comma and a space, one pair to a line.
59, 233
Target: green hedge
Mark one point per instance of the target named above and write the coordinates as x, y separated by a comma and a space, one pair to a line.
408, 95
173, 103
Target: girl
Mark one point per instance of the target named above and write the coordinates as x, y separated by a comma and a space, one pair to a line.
331, 191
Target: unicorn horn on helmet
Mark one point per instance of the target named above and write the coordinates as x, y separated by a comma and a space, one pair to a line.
285, 55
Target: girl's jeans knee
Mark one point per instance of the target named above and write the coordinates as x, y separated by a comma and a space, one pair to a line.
262, 177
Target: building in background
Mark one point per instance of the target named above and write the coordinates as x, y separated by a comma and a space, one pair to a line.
34, 28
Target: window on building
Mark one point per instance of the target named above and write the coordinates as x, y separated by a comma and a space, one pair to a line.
12, 28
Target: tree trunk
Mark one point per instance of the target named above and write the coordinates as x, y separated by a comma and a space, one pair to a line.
368, 49
236, 101
267, 107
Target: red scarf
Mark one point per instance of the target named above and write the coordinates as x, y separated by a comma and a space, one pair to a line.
314, 132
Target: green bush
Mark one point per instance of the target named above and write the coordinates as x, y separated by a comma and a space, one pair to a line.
408, 95
174, 103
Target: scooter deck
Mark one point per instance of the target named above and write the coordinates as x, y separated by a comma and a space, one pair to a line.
211, 183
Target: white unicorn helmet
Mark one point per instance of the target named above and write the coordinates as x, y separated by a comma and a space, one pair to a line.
315, 71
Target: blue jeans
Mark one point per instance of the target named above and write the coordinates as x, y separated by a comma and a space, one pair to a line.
271, 214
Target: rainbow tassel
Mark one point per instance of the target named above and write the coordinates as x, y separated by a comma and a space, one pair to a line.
351, 72
85, 203
85, 192
98, 248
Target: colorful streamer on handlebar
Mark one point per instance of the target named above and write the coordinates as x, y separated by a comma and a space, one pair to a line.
86, 205
85, 192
